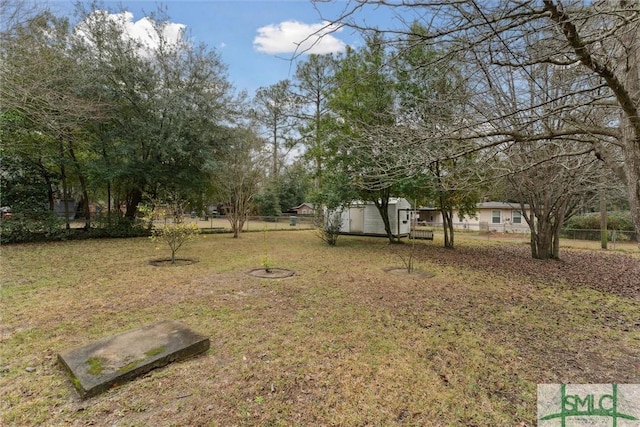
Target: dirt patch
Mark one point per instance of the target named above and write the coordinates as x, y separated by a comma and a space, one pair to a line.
417, 274
272, 273
168, 262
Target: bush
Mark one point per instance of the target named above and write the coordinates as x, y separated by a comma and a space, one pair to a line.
175, 235
118, 226
329, 227
587, 227
36, 227
583, 222
615, 221
620, 221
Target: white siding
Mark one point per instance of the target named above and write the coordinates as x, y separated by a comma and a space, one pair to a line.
400, 217
372, 220
345, 227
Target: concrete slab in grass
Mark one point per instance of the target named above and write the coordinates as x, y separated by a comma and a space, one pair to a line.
98, 366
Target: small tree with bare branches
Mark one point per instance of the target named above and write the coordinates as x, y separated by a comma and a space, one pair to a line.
237, 175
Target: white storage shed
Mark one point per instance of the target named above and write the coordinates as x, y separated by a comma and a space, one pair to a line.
364, 218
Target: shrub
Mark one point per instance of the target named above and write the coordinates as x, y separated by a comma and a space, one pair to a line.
175, 235
620, 221
615, 221
38, 226
328, 226
118, 226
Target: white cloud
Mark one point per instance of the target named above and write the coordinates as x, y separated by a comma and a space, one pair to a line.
294, 36
142, 30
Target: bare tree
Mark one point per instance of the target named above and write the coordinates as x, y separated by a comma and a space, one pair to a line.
237, 177
15, 15
549, 170
552, 185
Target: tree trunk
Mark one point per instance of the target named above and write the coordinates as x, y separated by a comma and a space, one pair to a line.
545, 236
383, 207
557, 221
541, 249
63, 177
241, 220
632, 170
83, 186
541, 239
109, 203
603, 218
447, 225
533, 245
50, 198
235, 216
555, 240
134, 199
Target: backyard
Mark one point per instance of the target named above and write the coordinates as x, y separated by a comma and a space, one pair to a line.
341, 343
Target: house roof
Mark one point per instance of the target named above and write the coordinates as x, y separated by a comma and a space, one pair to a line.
392, 201
485, 205
309, 205
500, 205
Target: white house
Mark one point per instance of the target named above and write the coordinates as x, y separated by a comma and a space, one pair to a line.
364, 218
502, 217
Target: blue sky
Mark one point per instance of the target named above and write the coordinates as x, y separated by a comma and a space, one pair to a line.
255, 38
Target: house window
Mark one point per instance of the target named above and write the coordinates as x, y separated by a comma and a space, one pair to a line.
496, 217
516, 217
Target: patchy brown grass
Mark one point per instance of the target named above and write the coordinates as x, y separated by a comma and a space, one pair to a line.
341, 343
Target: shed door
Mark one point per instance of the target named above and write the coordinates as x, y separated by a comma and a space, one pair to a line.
356, 220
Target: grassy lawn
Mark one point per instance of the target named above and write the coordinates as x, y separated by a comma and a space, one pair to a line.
341, 343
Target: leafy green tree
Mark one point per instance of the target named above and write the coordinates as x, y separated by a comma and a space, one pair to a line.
169, 102
454, 190
101, 114
43, 84
29, 170
432, 95
267, 202
289, 189
363, 98
295, 185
